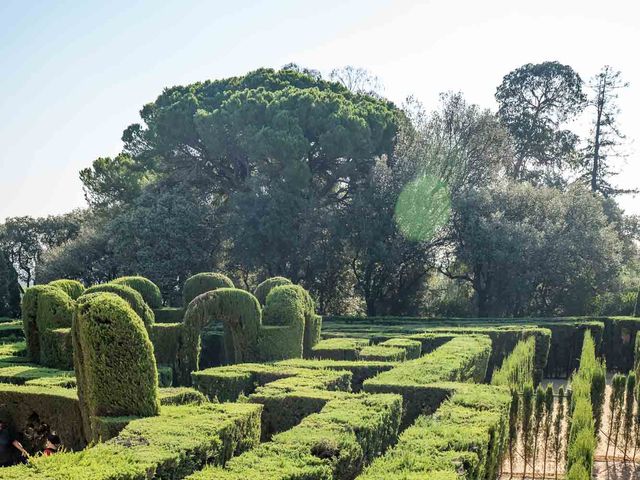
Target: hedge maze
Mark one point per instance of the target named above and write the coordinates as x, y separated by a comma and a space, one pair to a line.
241, 385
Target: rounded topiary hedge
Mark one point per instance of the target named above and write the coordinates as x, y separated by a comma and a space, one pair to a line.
145, 287
237, 309
113, 359
133, 298
263, 289
73, 288
44, 307
204, 282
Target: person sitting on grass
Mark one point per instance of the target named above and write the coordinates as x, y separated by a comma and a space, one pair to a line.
8, 446
52, 445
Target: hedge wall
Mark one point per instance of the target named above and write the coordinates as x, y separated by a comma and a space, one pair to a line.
169, 315
204, 282
57, 407
44, 307
113, 358
413, 348
465, 438
338, 348
145, 287
463, 359
333, 444
170, 446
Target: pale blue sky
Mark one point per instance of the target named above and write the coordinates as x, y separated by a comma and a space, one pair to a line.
74, 74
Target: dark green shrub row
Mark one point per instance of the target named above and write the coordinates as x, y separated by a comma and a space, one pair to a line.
465, 438
11, 329
360, 370
165, 338
131, 296
338, 348
56, 348
18, 348
586, 404
203, 282
169, 315
335, 443
462, 359
518, 368
413, 348
73, 288
145, 287
55, 406
113, 358
171, 446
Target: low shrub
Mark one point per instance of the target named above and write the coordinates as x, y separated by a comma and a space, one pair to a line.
412, 347
204, 282
73, 288
382, 353
131, 296
145, 287
360, 370
338, 348
113, 358
180, 396
57, 349
20, 374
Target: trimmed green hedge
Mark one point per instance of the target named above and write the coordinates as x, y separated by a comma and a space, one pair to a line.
180, 396
360, 370
180, 441
412, 347
204, 282
132, 297
113, 358
333, 444
338, 348
169, 315
462, 359
518, 369
73, 288
263, 289
11, 330
465, 438
57, 349
237, 309
382, 353
165, 338
145, 287
44, 307
57, 407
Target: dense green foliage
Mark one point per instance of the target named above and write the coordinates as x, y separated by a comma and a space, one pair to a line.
73, 288
113, 359
203, 282
582, 436
517, 370
131, 296
145, 287
263, 289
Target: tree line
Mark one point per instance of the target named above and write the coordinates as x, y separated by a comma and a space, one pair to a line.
376, 208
